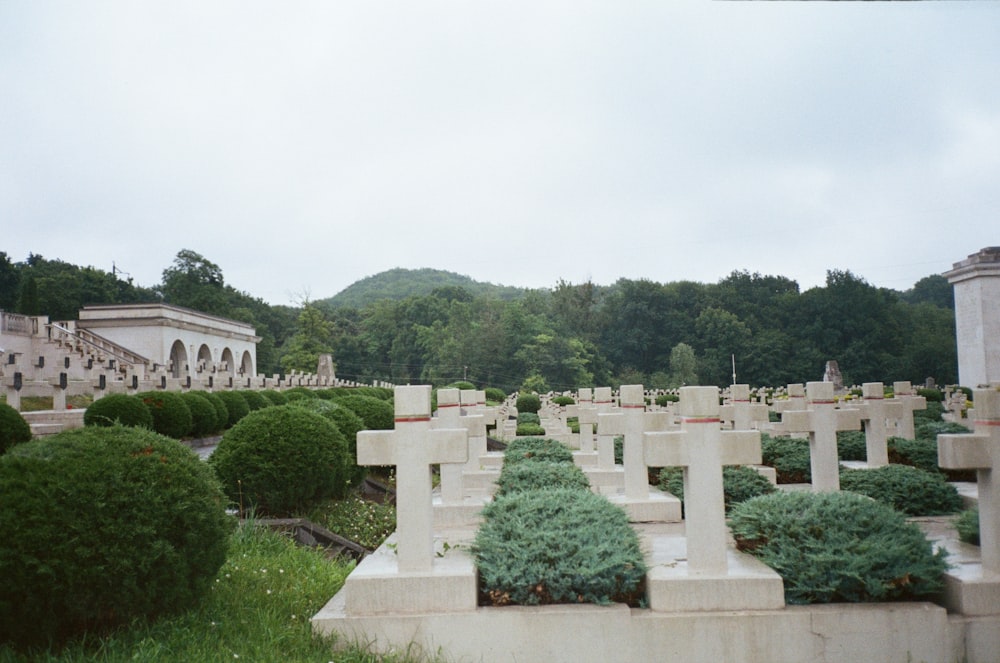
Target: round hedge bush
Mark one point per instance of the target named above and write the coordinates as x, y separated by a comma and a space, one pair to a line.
203, 414
171, 415
528, 403
375, 412
495, 395
254, 400
276, 397
838, 547
910, 490
280, 460
102, 526
118, 409
295, 393
564, 400
348, 424
664, 400
236, 405
221, 411
13, 428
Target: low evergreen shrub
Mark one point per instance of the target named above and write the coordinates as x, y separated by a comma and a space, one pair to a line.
295, 393
203, 415
739, 483
236, 405
922, 453
530, 429
563, 400
557, 546
851, 445
538, 475
967, 525
122, 409
788, 456
536, 448
838, 547
528, 418
13, 428
281, 460
929, 430
528, 403
275, 396
930, 395
254, 400
665, 399
124, 524
377, 414
171, 415
932, 412
907, 489
495, 395
461, 384
221, 411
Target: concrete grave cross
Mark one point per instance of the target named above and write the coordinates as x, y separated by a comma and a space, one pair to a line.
876, 411
821, 421
605, 443
631, 422
449, 416
413, 447
587, 416
702, 448
741, 411
980, 451
471, 404
796, 398
903, 392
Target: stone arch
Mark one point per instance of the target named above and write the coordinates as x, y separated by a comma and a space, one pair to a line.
246, 364
227, 360
204, 358
178, 359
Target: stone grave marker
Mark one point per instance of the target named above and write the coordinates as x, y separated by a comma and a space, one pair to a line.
876, 411
903, 392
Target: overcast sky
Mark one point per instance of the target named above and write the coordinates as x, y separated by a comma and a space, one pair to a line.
302, 146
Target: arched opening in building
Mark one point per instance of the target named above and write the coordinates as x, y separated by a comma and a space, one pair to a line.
178, 360
204, 359
228, 366
246, 365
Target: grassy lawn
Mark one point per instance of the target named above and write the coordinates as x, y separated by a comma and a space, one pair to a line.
257, 610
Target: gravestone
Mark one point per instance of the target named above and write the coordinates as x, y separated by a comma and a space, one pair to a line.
969, 589
741, 412
876, 411
909, 403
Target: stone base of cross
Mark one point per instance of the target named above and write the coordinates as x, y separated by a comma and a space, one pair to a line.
968, 589
408, 568
703, 570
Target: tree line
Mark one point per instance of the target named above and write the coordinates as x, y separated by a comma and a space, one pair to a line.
634, 331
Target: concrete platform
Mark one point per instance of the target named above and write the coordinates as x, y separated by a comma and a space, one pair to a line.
605, 480
452, 515
585, 459
968, 590
659, 507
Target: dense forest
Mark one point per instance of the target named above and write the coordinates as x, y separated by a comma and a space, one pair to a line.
429, 326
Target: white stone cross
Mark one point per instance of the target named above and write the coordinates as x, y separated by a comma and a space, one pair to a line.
702, 448
822, 422
740, 410
980, 451
796, 400
605, 443
631, 422
449, 416
876, 411
474, 402
413, 447
903, 392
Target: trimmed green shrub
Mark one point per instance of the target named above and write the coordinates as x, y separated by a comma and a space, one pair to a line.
461, 384
563, 400
851, 445
236, 405
495, 395
921, 453
528, 403
557, 546
932, 412
375, 412
619, 449
739, 483
907, 489
931, 395
118, 409
838, 547
221, 411
530, 429
296, 393
202, 414
528, 418
665, 399
254, 400
967, 525
102, 526
275, 396
280, 460
929, 430
788, 456
348, 424
13, 428
539, 475
171, 415
536, 448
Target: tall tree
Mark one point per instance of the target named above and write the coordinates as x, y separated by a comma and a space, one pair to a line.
195, 282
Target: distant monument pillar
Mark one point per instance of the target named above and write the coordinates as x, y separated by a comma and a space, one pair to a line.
832, 374
325, 369
976, 281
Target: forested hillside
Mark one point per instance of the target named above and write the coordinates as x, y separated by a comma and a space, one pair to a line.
572, 335
401, 283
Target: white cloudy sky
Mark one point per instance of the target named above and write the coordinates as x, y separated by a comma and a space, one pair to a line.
302, 146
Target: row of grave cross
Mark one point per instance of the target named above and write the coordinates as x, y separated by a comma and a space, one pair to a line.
701, 447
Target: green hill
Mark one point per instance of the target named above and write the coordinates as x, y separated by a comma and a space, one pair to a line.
401, 283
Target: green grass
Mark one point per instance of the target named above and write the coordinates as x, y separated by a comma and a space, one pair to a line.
257, 610
356, 519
